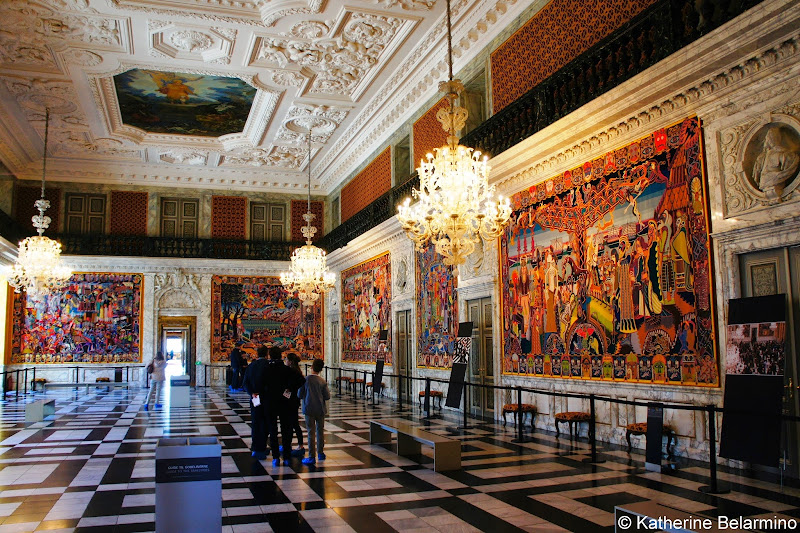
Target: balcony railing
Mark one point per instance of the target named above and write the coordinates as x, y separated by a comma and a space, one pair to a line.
12, 230
659, 31
382, 209
128, 245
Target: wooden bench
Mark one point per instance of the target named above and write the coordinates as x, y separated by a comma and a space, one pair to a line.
640, 428
446, 451
115, 384
572, 418
38, 410
380, 390
435, 394
526, 408
346, 380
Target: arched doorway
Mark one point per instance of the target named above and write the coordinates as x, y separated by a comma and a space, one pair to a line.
177, 341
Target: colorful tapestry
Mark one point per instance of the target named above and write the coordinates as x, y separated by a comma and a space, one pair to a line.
254, 310
606, 268
366, 309
437, 311
96, 318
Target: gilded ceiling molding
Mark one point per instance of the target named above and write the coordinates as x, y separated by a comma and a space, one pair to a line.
670, 107
206, 10
414, 81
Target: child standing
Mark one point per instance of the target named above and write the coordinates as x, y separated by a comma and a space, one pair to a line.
315, 393
157, 377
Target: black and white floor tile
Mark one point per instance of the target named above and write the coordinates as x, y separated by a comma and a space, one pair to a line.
91, 468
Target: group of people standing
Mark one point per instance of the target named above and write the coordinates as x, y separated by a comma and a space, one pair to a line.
276, 390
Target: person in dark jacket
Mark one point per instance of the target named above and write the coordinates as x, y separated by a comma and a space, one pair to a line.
294, 364
280, 384
236, 367
254, 384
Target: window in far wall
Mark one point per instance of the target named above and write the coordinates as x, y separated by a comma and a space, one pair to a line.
474, 100
86, 213
267, 222
179, 217
335, 212
402, 163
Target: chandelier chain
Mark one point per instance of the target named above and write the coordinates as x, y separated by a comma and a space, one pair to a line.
46, 135
308, 276
455, 205
38, 269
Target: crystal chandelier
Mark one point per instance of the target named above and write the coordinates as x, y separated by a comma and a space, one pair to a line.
455, 204
38, 269
309, 276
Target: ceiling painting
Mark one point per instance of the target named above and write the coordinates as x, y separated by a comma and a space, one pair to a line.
183, 104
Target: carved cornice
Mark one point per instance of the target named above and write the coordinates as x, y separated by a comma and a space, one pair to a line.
206, 10
414, 82
384, 237
159, 265
699, 93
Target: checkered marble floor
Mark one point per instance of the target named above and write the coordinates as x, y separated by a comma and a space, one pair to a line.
91, 467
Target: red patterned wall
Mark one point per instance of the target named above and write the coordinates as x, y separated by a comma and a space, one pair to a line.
27, 196
428, 133
556, 35
228, 217
128, 213
300, 208
368, 185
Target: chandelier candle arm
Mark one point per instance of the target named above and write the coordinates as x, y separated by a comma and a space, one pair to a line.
38, 269
309, 276
455, 205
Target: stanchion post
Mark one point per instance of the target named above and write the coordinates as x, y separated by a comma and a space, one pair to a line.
714, 487
400, 389
592, 434
25, 390
16, 384
519, 413
326, 373
33, 386
428, 400
339, 383
373, 385
466, 403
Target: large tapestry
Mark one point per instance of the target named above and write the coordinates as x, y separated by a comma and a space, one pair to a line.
606, 268
96, 318
366, 309
437, 311
254, 310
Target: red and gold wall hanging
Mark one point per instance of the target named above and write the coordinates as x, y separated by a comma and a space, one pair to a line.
366, 309
96, 318
256, 310
606, 268
437, 310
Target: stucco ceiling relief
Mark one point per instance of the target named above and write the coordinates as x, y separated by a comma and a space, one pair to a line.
209, 45
286, 157
340, 56
321, 120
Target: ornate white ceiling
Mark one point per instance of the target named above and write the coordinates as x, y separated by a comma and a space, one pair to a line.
354, 71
